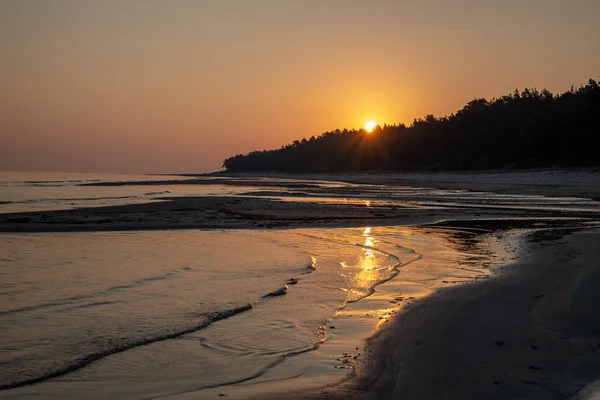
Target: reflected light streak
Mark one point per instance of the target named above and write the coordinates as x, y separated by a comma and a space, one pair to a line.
384, 315
368, 263
368, 269
369, 242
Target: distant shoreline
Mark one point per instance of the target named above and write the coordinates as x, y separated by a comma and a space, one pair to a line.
577, 183
290, 209
558, 183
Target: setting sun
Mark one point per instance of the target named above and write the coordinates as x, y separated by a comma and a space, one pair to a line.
370, 125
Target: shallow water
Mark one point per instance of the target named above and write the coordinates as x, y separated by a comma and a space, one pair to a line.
41, 191
117, 306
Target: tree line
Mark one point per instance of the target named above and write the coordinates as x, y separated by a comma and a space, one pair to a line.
526, 129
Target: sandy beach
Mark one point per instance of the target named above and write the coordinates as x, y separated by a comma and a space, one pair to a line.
526, 328
530, 333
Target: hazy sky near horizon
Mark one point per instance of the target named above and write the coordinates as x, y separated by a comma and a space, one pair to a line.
177, 86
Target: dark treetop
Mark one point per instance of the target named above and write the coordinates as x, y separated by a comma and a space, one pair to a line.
521, 130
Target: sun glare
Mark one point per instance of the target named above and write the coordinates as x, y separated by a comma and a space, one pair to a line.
370, 125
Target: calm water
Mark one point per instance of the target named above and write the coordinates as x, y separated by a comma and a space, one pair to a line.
38, 191
109, 302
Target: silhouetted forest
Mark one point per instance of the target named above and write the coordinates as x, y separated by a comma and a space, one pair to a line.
527, 129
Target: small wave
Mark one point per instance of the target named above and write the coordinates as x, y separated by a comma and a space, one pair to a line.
93, 304
81, 362
281, 358
118, 288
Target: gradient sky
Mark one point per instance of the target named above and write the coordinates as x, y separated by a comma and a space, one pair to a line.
177, 86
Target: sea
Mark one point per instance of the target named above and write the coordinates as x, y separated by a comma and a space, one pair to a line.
198, 313
159, 313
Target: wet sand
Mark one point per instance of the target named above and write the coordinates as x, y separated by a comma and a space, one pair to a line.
583, 184
532, 333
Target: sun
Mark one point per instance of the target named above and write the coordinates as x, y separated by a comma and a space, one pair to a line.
370, 125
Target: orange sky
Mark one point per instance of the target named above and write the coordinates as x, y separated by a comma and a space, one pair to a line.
177, 86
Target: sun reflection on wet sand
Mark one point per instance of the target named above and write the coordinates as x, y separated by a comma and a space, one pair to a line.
426, 259
369, 242
368, 275
384, 315
450, 257
373, 266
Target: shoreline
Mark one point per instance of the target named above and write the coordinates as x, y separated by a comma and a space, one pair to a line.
529, 332
357, 322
